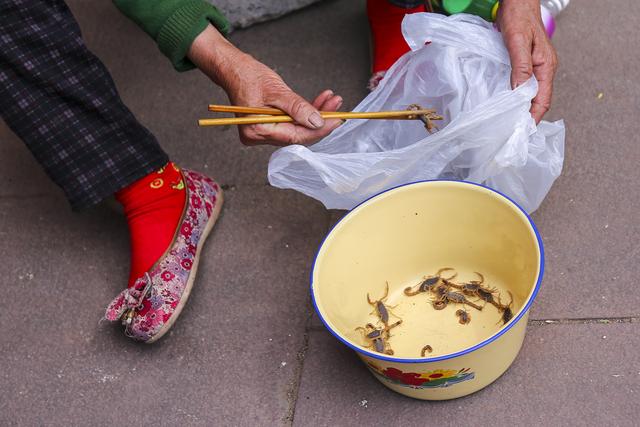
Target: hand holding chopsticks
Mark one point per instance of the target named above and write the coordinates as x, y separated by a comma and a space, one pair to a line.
274, 115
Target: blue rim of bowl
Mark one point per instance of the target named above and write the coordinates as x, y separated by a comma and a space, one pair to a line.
446, 356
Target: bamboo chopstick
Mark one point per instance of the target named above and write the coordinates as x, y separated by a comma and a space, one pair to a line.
273, 115
245, 110
278, 112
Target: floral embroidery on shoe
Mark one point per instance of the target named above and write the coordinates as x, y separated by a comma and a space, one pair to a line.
130, 298
149, 304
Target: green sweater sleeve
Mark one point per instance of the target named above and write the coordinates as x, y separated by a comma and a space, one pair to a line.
174, 24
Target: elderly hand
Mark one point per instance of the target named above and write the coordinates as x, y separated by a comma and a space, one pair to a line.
529, 48
248, 82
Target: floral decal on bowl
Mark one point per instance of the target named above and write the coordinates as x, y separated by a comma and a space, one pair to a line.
431, 379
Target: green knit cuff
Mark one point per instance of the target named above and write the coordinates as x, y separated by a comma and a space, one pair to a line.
183, 26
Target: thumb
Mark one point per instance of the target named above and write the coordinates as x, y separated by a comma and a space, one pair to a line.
302, 112
519, 47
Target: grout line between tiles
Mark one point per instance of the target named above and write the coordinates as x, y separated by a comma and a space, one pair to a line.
294, 388
585, 320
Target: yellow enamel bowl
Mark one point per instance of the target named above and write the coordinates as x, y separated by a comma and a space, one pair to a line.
400, 237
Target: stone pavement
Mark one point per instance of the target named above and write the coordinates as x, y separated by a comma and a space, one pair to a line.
247, 349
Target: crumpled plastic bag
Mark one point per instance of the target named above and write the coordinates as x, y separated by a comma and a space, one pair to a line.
487, 136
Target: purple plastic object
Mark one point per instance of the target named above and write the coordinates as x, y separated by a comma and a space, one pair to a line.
548, 21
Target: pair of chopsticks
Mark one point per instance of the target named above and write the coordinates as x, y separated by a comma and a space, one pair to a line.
274, 115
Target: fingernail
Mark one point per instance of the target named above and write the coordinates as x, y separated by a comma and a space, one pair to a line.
316, 120
339, 104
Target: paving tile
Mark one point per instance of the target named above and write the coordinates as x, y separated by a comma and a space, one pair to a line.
230, 359
590, 222
169, 103
564, 375
20, 174
323, 46
58, 367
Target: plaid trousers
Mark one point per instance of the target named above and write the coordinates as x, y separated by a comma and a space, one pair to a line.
61, 101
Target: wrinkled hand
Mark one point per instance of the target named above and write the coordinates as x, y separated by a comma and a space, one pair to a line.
530, 50
250, 83
258, 85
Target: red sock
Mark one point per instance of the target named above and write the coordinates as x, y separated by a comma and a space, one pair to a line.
388, 43
153, 206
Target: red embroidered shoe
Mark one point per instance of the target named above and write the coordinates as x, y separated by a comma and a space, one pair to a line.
149, 308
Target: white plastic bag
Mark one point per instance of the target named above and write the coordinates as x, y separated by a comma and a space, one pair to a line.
488, 135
